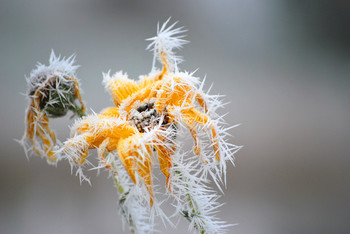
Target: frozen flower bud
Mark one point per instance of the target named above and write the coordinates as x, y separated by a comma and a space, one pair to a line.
56, 87
52, 91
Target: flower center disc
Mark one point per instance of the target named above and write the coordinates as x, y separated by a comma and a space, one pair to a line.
145, 117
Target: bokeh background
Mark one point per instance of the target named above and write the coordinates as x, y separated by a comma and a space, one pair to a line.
283, 65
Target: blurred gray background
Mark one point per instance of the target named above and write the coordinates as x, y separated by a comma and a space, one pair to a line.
283, 65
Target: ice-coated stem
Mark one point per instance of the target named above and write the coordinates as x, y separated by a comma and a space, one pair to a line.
192, 205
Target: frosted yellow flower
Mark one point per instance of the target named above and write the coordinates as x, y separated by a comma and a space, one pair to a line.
148, 116
152, 103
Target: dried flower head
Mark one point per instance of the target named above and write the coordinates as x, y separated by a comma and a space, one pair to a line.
144, 125
52, 91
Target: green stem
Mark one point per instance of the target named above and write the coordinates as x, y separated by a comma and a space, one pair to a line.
123, 195
193, 206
